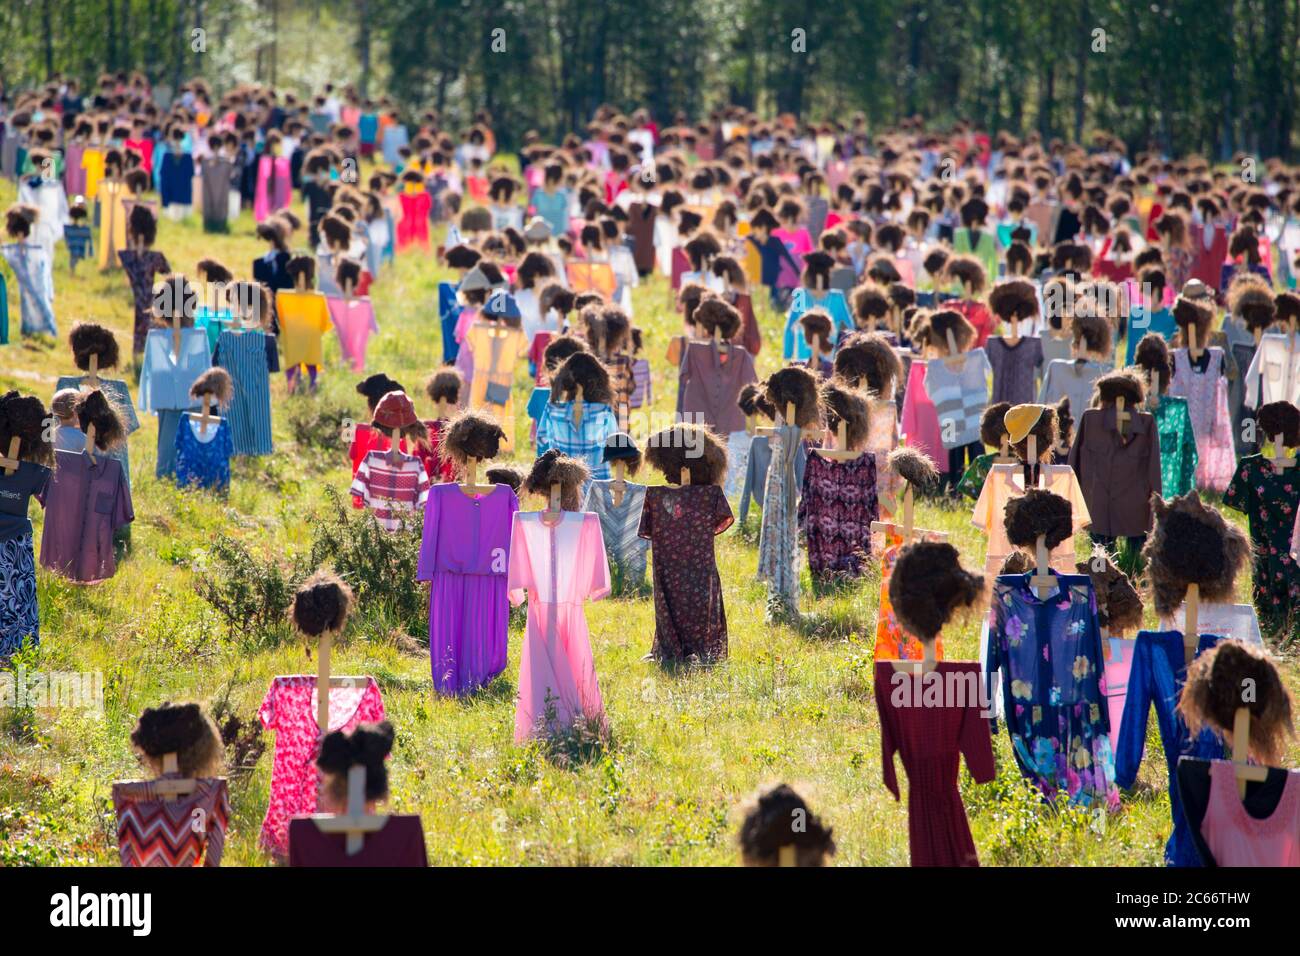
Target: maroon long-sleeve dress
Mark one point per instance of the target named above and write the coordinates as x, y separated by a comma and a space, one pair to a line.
929, 720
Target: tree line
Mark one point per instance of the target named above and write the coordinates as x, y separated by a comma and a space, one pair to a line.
1211, 76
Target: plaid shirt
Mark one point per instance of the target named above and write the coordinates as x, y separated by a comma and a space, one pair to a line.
586, 442
392, 490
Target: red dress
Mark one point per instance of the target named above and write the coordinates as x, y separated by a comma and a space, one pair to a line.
929, 721
414, 227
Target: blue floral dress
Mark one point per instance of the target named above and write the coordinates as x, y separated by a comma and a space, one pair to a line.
1049, 653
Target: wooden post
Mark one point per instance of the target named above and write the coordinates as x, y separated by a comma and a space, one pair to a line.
1004, 452
206, 417
553, 506
577, 406
10, 461
394, 451
1191, 621
908, 513
1042, 581
90, 442
1246, 772
92, 374
685, 478
1121, 416
323, 645
1280, 460
619, 485
176, 335
170, 765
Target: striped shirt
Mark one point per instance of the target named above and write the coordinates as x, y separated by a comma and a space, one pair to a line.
586, 442
392, 490
243, 355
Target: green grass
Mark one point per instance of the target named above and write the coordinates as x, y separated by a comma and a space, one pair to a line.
685, 748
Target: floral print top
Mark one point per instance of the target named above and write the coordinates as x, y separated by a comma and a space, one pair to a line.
1049, 653
892, 642
1268, 499
835, 512
690, 617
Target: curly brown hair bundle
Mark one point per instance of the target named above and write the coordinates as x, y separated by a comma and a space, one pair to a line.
849, 406
216, 382
1038, 513
90, 338
769, 826
23, 417
1279, 418
553, 468
694, 447
1119, 606
929, 586
182, 729
1192, 544
796, 386
321, 605
472, 434
914, 467
1014, 300
582, 370
1232, 675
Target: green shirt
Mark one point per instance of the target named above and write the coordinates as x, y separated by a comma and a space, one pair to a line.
973, 480
1177, 446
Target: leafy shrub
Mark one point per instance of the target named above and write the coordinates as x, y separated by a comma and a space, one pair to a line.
379, 565
318, 423
252, 594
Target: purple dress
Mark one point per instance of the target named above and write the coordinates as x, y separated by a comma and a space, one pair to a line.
465, 558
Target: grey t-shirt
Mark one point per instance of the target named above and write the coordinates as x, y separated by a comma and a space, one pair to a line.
1016, 370
1072, 379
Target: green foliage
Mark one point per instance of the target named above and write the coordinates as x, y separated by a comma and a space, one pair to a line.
251, 592
379, 565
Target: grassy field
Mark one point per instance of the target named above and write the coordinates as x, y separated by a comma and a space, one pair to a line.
686, 747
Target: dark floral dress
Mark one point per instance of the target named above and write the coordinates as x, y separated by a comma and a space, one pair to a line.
836, 509
1269, 500
141, 269
690, 619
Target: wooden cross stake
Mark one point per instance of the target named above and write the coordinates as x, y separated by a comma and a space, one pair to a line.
1245, 772
1121, 416
172, 786
685, 478
553, 505
954, 358
1004, 452
619, 485
1043, 582
1279, 459
10, 461
323, 645
909, 513
1191, 622
355, 823
206, 417
470, 485
394, 450
92, 374
577, 406
841, 451
176, 334
1193, 349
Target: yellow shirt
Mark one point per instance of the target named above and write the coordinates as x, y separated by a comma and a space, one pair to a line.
92, 161
1005, 482
496, 350
304, 318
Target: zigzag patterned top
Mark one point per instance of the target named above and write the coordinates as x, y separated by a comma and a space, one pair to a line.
620, 525
187, 831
